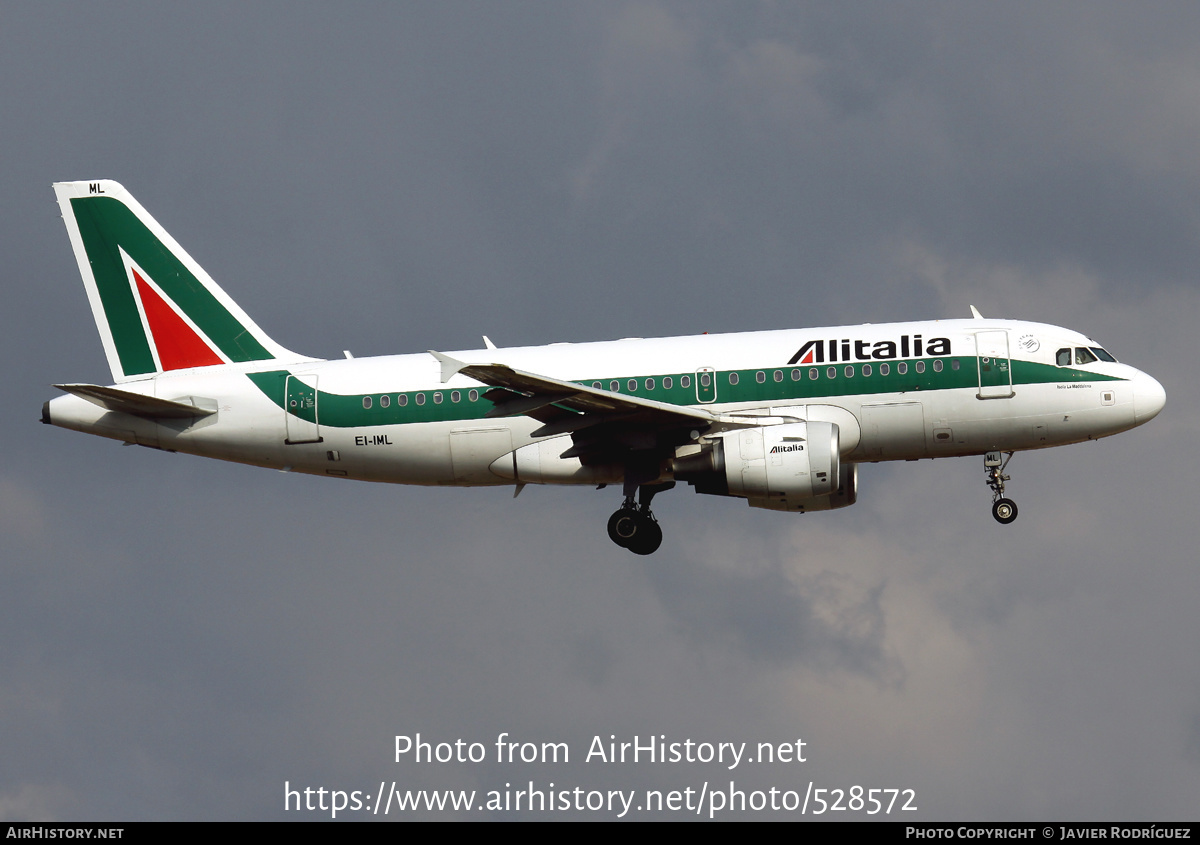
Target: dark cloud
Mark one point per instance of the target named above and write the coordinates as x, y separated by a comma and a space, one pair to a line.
183, 637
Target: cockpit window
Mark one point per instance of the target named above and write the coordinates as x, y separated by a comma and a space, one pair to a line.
1102, 354
1063, 357
1083, 355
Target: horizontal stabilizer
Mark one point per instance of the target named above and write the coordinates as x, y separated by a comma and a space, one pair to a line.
126, 402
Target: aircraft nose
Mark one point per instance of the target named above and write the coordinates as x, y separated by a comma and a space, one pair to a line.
1148, 398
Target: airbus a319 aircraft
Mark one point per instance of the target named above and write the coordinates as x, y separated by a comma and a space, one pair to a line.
780, 419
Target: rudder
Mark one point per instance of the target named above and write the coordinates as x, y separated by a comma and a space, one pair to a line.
157, 310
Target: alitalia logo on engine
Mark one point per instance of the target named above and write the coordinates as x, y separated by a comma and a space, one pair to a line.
796, 448
908, 346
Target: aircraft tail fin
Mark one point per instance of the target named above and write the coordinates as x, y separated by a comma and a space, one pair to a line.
157, 310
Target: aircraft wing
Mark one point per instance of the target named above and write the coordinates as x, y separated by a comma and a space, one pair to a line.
613, 420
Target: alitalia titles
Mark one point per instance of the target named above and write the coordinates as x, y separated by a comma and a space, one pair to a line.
907, 346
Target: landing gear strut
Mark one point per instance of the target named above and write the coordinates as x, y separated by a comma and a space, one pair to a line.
633, 526
1004, 510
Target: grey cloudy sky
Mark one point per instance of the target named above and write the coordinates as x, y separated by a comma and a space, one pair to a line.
181, 637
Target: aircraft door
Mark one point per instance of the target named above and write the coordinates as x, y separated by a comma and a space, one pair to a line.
994, 365
301, 412
706, 385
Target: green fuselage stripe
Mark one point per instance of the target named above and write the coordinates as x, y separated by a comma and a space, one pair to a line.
347, 411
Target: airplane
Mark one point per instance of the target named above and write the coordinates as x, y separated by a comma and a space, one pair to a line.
781, 419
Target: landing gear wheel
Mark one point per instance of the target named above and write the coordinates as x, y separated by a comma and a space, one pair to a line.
648, 537
1005, 511
623, 527
634, 527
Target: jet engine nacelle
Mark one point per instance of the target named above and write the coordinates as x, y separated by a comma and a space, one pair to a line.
782, 467
845, 495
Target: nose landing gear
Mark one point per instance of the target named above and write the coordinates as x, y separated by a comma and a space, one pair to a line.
1004, 510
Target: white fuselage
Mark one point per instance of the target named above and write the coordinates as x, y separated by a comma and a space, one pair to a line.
985, 385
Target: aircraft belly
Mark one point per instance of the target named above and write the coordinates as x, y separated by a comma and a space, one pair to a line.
893, 430
474, 450
399, 454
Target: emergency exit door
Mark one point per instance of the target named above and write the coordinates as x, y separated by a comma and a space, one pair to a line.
301, 410
994, 365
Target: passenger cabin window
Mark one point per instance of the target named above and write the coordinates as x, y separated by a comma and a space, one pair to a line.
733, 378
366, 402
760, 377
1083, 355
685, 381
667, 383
1063, 357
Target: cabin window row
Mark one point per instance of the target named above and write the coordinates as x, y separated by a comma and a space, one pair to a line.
385, 401
849, 371
814, 374
668, 382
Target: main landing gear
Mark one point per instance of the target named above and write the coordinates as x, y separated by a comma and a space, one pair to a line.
633, 526
1005, 510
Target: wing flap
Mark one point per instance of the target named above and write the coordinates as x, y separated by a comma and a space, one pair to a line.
603, 423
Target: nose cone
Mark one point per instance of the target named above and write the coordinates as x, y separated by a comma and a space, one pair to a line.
1148, 398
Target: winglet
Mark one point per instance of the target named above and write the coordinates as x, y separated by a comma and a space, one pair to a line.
450, 366
487, 341
975, 313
